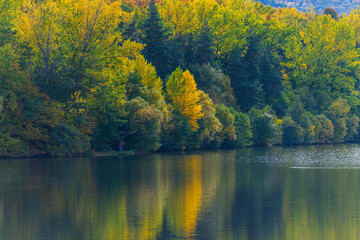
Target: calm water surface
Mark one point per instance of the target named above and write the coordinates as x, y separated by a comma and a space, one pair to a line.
259, 193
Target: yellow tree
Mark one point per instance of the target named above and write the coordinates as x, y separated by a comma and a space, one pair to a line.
90, 31
150, 84
185, 96
39, 25
81, 34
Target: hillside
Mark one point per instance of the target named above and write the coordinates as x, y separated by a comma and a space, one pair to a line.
341, 6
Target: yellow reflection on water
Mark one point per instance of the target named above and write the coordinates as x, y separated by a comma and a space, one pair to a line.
185, 199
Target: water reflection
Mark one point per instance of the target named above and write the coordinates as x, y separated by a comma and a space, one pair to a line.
259, 193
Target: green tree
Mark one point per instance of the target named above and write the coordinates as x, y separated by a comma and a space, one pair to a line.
264, 129
324, 129
156, 50
210, 125
270, 77
243, 129
245, 76
293, 133
322, 58
106, 105
227, 119
215, 83
338, 113
352, 124
204, 52
144, 125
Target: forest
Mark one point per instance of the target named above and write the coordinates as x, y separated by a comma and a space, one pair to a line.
341, 6
85, 75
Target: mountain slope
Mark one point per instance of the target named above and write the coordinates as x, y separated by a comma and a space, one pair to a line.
341, 6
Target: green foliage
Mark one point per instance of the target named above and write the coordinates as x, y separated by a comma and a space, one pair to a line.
264, 129
66, 139
270, 77
156, 50
144, 125
177, 134
247, 78
243, 129
106, 105
297, 113
215, 83
227, 119
210, 125
352, 124
204, 52
293, 133
322, 58
324, 129
337, 113
72, 73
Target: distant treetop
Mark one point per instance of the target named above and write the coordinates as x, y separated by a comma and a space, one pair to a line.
318, 5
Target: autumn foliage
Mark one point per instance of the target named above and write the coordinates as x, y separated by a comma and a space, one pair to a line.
174, 75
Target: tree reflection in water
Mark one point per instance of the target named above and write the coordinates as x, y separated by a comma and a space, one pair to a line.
243, 194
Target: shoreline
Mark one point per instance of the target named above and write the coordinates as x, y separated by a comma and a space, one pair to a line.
131, 152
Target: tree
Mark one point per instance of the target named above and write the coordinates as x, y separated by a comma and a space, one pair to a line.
293, 133
254, 90
156, 50
176, 53
144, 125
204, 52
324, 129
7, 15
322, 58
30, 123
352, 124
215, 83
227, 119
189, 50
210, 125
264, 129
301, 117
184, 95
331, 12
142, 80
70, 37
238, 74
246, 76
337, 113
243, 129
270, 77
39, 25
106, 105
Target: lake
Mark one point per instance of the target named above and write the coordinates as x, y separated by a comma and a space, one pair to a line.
255, 193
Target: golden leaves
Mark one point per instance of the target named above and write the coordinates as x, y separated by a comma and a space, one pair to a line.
182, 91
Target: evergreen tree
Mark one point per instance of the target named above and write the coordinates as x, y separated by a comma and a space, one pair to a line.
254, 92
176, 53
156, 50
204, 52
238, 75
189, 50
270, 77
131, 32
246, 76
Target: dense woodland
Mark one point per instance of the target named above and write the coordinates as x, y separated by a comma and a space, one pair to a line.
78, 75
341, 6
